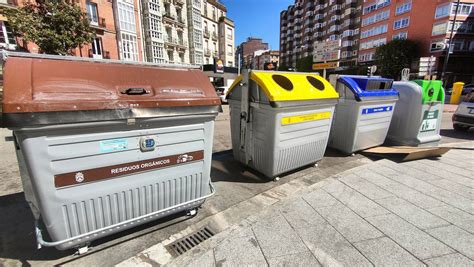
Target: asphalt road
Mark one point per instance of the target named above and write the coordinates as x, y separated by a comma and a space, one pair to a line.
234, 184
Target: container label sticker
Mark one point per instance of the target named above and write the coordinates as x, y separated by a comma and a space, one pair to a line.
107, 172
430, 120
114, 145
306, 118
377, 110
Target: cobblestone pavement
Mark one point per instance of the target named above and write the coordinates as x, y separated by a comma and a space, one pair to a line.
383, 213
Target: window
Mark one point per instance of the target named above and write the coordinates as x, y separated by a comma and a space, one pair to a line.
464, 9
197, 21
154, 5
129, 47
376, 18
372, 43
439, 28
154, 26
374, 31
403, 8
401, 23
400, 36
91, 9
126, 15
457, 45
6, 35
366, 57
437, 46
197, 38
170, 57
230, 51
375, 5
442, 11
97, 47
229, 33
157, 52
181, 57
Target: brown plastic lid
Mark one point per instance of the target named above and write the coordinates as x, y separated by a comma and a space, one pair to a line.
48, 85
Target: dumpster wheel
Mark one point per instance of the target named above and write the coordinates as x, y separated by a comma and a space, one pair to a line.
276, 179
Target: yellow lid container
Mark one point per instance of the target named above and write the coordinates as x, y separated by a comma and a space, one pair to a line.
290, 86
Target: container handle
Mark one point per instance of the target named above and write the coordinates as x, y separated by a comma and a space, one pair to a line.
135, 91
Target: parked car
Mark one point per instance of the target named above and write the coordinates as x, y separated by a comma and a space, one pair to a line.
221, 92
463, 118
468, 88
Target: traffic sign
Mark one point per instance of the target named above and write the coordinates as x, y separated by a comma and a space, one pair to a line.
327, 51
328, 65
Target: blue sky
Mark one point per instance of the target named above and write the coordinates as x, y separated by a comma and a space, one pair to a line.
257, 18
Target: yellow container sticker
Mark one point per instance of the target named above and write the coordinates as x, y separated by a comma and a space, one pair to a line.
306, 118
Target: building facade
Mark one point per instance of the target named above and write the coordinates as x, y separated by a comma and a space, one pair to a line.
245, 51
309, 22
266, 60
158, 31
383, 21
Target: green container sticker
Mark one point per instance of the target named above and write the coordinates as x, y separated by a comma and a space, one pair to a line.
430, 121
114, 145
432, 90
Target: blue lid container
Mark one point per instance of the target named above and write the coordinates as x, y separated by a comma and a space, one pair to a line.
365, 87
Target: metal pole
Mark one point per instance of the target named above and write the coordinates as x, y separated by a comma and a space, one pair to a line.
324, 71
445, 65
238, 64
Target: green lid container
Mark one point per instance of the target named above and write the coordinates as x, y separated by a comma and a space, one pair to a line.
432, 90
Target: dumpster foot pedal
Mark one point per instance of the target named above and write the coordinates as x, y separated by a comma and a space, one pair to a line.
192, 212
82, 250
186, 243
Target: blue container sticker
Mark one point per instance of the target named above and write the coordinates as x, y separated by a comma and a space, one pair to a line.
113, 145
377, 110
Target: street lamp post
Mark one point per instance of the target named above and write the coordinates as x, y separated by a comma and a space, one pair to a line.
445, 65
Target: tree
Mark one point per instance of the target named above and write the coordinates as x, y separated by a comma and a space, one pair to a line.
55, 26
305, 64
283, 67
394, 56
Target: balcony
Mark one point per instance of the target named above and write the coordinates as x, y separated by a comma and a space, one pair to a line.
180, 21
100, 24
182, 44
214, 36
169, 16
105, 55
180, 2
207, 52
206, 33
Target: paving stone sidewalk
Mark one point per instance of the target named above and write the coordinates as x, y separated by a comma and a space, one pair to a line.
383, 213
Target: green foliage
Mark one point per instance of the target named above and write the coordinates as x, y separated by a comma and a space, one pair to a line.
56, 26
305, 64
283, 67
394, 56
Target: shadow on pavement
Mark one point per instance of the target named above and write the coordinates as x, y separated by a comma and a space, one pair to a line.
464, 135
18, 241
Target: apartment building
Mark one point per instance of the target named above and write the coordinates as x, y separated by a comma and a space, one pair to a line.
226, 41
383, 21
444, 20
245, 51
309, 22
158, 31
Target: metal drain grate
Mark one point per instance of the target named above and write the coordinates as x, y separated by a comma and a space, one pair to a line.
186, 243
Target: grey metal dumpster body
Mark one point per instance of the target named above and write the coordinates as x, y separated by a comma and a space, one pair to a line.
275, 130
363, 113
103, 147
417, 116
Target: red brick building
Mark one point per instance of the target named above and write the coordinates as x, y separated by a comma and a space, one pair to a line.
247, 49
427, 22
116, 24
